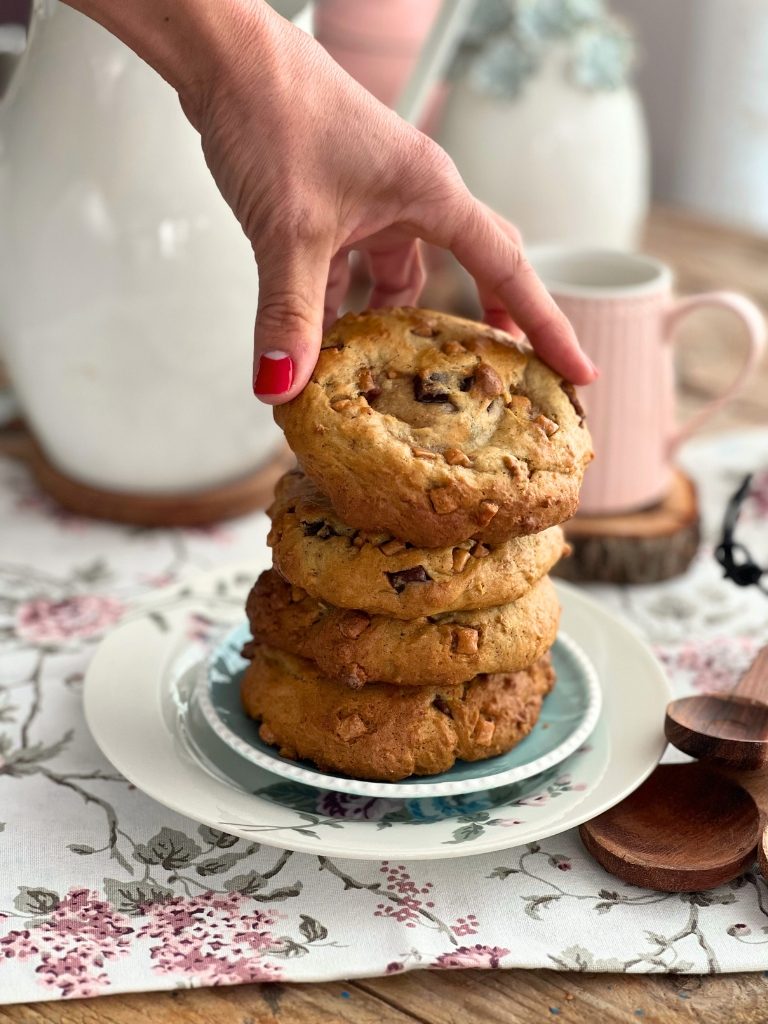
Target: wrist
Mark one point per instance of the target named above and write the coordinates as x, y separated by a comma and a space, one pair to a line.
246, 49
222, 35
192, 44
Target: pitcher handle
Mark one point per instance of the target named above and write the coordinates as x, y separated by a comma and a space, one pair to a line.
754, 322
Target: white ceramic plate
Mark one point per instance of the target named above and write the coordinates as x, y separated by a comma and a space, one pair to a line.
138, 707
568, 716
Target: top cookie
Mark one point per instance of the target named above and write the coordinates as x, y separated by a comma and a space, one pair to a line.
438, 429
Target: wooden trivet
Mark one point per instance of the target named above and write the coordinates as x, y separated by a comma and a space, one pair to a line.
642, 547
197, 508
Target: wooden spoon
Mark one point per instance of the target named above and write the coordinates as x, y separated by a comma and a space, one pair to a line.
730, 727
762, 854
685, 829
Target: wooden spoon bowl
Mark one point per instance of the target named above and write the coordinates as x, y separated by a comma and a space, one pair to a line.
729, 727
720, 726
687, 828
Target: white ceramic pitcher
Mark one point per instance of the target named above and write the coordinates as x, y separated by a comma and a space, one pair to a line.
127, 290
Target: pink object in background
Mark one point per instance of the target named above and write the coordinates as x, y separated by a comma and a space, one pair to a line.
624, 314
378, 42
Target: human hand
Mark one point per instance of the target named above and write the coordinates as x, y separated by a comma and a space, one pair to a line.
315, 167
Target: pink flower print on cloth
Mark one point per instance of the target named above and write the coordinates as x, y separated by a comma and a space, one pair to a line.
472, 956
43, 621
212, 938
73, 943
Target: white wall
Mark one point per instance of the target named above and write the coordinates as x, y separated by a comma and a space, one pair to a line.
704, 80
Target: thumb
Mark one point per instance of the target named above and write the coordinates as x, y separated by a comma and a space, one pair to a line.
289, 324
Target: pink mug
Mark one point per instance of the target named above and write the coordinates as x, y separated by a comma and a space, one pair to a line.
623, 311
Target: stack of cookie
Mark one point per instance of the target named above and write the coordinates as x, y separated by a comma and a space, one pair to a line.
409, 616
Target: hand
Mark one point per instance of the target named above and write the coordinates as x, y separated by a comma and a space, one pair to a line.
315, 167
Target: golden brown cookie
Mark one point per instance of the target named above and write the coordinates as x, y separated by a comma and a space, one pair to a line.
314, 549
389, 732
436, 429
354, 647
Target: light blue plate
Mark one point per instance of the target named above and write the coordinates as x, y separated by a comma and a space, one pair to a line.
568, 716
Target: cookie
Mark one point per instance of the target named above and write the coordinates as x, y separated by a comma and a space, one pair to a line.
435, 429
354, 648
389, 732
377, 573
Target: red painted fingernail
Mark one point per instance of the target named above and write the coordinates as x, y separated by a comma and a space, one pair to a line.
274, 375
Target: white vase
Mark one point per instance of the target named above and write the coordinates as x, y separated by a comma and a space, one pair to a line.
127, 289
562, 163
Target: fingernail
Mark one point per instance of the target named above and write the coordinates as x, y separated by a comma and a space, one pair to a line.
274, 375
595, 370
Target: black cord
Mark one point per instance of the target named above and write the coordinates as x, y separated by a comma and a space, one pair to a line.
736, 560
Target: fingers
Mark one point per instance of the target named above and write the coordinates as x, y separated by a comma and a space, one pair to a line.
303, 293
502, 273
397, 274
289, 321
337, 287
494, 311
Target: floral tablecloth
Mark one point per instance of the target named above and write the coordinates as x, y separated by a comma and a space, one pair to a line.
102, 890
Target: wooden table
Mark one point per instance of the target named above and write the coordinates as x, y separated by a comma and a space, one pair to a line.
705, 257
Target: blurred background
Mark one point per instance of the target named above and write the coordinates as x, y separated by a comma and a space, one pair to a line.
702, 74
700, 68
617, 123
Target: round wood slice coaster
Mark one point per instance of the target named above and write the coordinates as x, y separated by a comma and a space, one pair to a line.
686, 829
642, 547
196, 508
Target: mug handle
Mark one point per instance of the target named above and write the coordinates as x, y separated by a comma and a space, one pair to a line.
754, 322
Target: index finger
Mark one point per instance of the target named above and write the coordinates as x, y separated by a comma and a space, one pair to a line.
500, 268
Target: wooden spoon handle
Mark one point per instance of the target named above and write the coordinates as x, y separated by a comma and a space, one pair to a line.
754, 683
